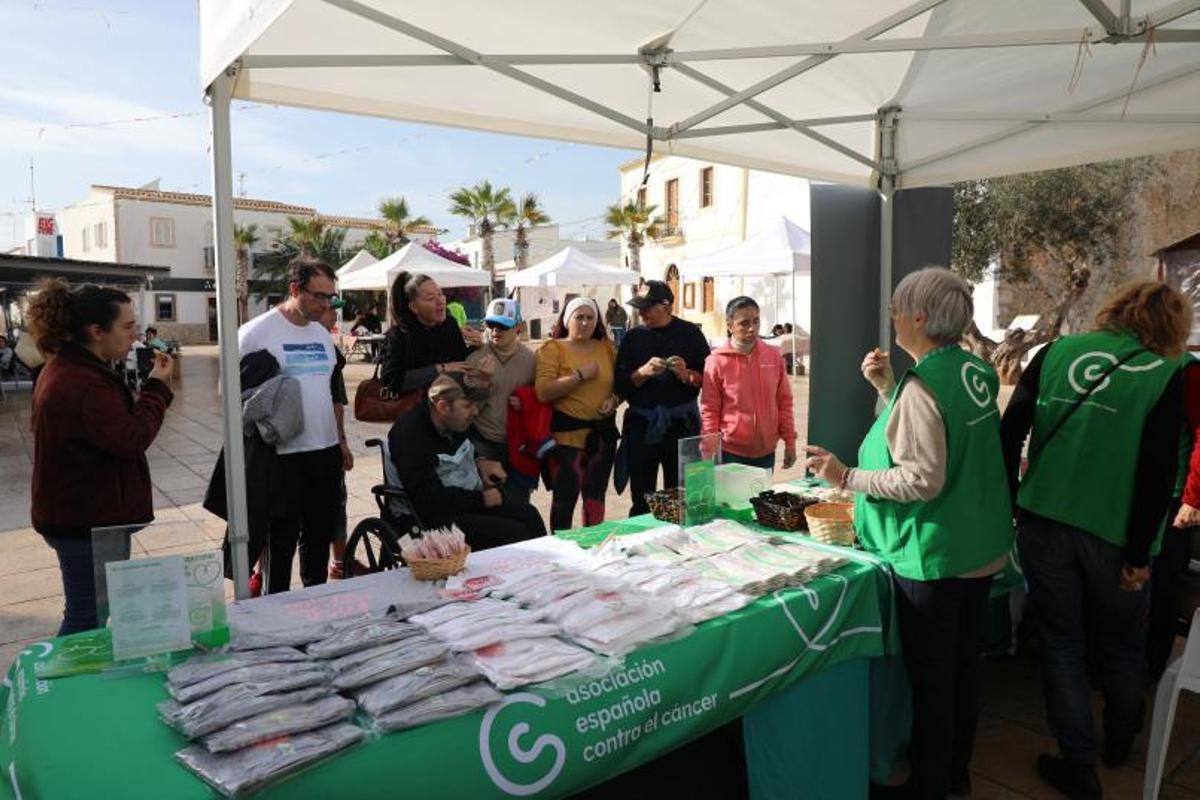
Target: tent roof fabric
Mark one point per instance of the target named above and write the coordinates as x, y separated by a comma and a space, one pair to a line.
971, 89
571, 267
361, 260
780, 248
413, 258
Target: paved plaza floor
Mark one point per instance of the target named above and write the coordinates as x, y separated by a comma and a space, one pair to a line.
1012, 730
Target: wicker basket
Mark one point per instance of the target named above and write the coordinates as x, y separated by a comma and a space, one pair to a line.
779, 516
436, 569
666, 505
831, 523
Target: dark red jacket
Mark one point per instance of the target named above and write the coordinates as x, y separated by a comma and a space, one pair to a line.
89, 446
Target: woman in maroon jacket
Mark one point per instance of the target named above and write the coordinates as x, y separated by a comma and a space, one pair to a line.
89, 434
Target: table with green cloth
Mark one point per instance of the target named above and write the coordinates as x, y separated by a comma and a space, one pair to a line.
796, 664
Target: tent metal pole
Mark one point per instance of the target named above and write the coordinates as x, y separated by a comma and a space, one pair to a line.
795, 324
218, 97
887, 186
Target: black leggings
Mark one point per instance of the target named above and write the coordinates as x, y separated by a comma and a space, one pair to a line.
313, 482
575, 471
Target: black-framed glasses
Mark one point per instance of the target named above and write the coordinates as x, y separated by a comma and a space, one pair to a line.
322, 296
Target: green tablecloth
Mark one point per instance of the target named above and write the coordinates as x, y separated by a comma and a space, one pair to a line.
98, 735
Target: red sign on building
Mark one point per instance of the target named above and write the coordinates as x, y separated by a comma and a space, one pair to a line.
45, 226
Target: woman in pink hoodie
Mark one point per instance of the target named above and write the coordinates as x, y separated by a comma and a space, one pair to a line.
746, 394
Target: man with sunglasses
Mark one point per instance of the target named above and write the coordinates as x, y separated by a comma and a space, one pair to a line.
311, 463
504, 363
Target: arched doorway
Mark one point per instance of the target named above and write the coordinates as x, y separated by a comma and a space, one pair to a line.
673, 282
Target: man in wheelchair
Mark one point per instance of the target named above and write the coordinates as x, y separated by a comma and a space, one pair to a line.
436, 465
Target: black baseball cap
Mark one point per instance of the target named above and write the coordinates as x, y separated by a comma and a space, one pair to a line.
655, 292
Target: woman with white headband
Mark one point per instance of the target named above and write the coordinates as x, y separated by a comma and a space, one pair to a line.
575, 374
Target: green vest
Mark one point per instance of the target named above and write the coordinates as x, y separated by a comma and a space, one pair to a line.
1083, 475
969, 524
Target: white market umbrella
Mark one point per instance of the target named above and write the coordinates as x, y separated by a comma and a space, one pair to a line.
571, 267
415, 259
361, 260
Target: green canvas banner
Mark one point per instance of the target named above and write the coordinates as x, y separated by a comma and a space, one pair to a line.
93, 735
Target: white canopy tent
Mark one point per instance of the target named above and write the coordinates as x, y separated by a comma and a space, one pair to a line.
413, 258
782, 248
361, 260
885, 94
571, 267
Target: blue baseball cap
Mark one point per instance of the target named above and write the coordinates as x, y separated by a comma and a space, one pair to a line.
504, 311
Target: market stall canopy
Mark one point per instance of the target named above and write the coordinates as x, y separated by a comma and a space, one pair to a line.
781, 248
975, 89
413, 258
571, 267
361, 260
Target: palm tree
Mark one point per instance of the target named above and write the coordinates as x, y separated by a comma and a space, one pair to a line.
528, 214
306, 234
377, 245
308, 238
244, 238
400, 223
635, 224
486, 207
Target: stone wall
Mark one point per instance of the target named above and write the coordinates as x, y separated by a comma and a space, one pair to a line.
185, 333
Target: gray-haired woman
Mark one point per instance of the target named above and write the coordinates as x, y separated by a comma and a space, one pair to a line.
931, 501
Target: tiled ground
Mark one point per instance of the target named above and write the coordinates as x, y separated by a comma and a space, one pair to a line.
1012, 731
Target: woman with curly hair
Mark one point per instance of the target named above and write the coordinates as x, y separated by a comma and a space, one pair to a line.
90, 434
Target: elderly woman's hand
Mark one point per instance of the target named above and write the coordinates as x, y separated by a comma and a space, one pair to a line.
877, 369
1188, 517
825, 465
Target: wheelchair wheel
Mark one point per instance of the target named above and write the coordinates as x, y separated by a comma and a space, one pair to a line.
377, 542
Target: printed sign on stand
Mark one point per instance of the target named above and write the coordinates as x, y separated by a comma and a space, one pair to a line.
148, 607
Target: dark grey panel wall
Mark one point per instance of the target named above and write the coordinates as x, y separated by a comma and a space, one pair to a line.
845, 297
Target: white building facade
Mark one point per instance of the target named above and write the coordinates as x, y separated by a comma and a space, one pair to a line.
148, 226
706, 207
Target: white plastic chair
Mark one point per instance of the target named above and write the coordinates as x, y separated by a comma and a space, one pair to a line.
1184, 673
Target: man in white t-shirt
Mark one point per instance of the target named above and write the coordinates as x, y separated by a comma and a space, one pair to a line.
312, 462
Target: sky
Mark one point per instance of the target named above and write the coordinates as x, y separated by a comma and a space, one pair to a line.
77, 73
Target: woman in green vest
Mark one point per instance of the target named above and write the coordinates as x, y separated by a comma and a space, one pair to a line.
931, 500
1105, 411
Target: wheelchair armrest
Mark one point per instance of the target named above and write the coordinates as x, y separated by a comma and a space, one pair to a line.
382, 489
374, 442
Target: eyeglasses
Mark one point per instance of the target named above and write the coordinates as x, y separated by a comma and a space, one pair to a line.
322, 297
496, 326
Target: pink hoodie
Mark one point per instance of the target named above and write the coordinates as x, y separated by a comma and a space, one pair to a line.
748, 397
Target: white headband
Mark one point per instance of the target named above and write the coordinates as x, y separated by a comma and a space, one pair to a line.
578, 303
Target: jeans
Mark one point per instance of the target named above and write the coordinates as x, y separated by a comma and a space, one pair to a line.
1073, 580
765, 462
78, 567
941, 626
514, 491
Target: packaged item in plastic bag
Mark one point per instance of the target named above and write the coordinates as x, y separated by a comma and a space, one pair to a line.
469, 626
208, 665
426, 681
440, 706
361, 636
280, 722
517, 663
250, 769
413, 653
228, 705
279, 677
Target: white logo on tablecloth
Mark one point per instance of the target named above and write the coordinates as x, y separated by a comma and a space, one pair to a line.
1089, 368
974, 378
522, 755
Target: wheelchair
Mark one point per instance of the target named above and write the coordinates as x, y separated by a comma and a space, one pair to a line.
377, 539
